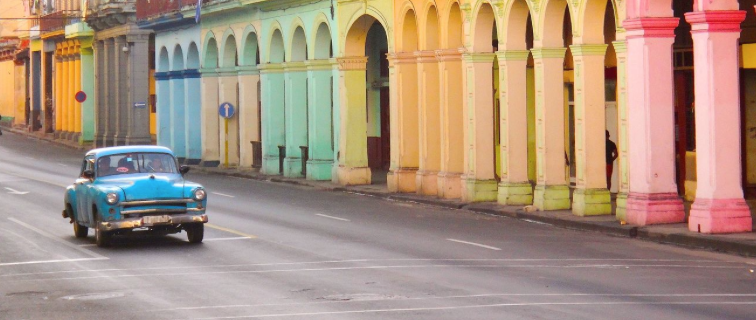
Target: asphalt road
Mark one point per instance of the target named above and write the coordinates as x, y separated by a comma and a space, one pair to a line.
287, 252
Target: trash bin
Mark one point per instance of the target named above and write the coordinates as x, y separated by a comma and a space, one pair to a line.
256, 154
305, 157
281, 157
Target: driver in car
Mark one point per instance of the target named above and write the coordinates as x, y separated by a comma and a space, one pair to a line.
103, 167
156, 165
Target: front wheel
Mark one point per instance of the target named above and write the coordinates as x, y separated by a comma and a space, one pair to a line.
195, 232
79, 230
102, 237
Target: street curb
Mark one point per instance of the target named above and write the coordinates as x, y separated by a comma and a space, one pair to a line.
50, 140
695, 241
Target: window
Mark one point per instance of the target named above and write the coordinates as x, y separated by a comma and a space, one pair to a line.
129, 163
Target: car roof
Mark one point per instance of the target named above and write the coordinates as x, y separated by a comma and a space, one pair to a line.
100, 152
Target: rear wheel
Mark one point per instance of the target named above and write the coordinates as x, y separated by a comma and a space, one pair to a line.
102, 237
195, 232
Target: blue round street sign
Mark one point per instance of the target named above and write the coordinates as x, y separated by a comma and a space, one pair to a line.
226, 110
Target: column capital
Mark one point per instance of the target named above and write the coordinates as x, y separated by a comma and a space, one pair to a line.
715, 21
450, 54
477, 57
425, 56
322, 64
512, 55
651, 27
270, 68
401, 58
620, 46
544, 53
352, 63
580, 50
295, 66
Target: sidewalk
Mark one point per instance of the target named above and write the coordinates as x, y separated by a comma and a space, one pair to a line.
47, 137
743, 244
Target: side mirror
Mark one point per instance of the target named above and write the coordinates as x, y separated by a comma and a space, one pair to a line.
88, 174
184, 169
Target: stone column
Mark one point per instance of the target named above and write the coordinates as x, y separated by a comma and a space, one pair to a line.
514, 188
249, 122
353, 162
88, 86
404, 132
107, 90
163, 108
193, 98
551, 191
653, 195
58, 93
429, 123
591, 196
719, 206
451, 118
177, 114
273, 115
120, 90
620, 48
137, 79
320, 124
209, 119
479, 180
296, 117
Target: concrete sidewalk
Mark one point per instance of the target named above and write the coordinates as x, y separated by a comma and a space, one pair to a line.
743, 244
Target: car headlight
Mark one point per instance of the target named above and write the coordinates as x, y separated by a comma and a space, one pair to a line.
112, 198
199, 194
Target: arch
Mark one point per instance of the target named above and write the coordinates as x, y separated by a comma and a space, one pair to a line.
250, 52
431, 29
409, 32
192, 57
551, 34
455, 35
230, 56
592, 16
360, 24
178, 59
211, 52
163, 63
298, 45
323, 42
483, 30
276, 48
515, 26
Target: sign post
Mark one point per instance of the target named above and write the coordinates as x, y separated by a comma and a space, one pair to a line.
226, 111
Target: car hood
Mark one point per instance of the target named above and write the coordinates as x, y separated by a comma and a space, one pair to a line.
149, 186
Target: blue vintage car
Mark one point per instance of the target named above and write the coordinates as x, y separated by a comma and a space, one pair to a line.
134, 188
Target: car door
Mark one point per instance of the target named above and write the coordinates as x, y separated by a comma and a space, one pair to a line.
82, 191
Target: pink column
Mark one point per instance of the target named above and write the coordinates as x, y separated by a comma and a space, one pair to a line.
719, 206
653, 197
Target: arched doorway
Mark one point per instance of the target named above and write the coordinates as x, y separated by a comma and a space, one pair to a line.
250, 121
296, 106
163, 94
321, 106
273, 105
210, 102
229, 93
429, 134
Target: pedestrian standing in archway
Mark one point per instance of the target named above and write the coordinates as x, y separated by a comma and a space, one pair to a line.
611, 155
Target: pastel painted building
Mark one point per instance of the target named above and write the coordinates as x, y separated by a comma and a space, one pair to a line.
176, 91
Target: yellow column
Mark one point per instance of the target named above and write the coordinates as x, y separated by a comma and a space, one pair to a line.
68, 95
451, 115
429, 122
64, 89
77, 88
404, 123
58, 90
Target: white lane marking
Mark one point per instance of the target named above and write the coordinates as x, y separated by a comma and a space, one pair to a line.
88, 245
480, 306
203, 273
14, 191
222, 195
49, 261
473, 296
35, 179
331, 217
226, 239
475, 244
62, 165
54, 238
362, 260
30, 158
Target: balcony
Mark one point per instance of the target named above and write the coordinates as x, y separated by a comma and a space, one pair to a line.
147, 9
58, 20
105, 14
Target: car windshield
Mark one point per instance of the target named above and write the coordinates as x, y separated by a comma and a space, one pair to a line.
136, 162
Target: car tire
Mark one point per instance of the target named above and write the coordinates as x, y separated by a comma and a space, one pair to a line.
102, 237
79, 230
195, 232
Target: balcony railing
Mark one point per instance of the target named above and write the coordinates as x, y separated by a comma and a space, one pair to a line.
110, 6
58, 20
146, 9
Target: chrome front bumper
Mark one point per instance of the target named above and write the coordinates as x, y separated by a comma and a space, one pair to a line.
131, 223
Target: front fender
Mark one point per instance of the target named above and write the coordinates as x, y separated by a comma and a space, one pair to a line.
99, 201
69, 198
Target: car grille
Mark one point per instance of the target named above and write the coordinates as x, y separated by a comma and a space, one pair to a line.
155, 207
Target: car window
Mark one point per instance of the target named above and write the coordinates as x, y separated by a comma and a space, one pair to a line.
87, 164
128, 163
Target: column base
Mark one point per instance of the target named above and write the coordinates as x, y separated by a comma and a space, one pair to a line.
209, 163
656, 208
427, 182
478, 190
133, 141
720, 216
76, 137
555, 197
319, 169
449, 185
515, 194
621, 210
192, 162
270, 165
591, 202
293, 167
58, 134
354, 176
402, 180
